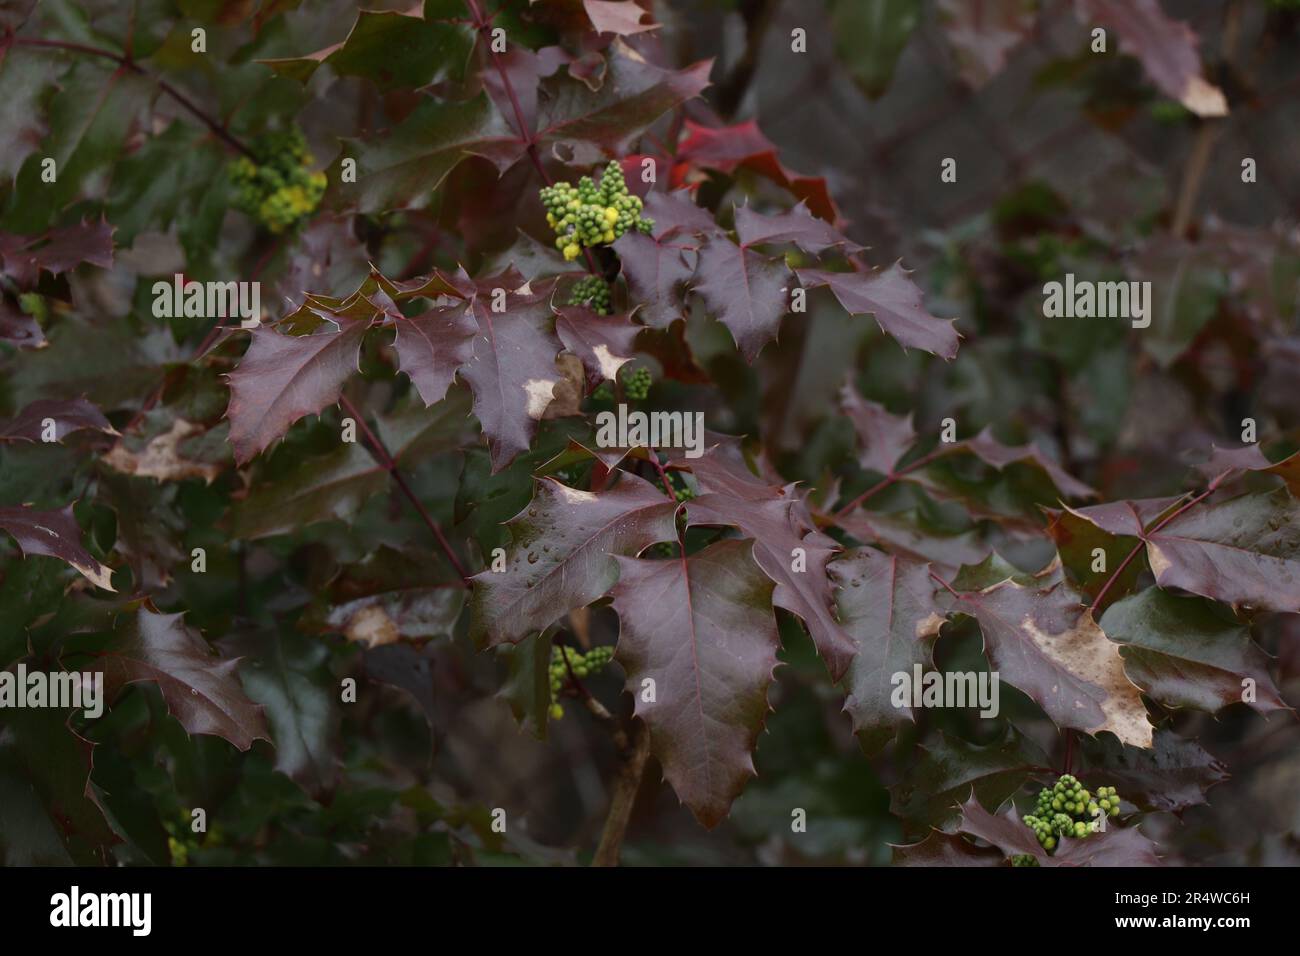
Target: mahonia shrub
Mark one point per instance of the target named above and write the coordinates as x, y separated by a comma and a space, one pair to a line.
431, 427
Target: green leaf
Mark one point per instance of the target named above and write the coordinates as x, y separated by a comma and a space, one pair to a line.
288, 676
1190, 652
953, 769
391, 49
51, 814
869, 35
402, 168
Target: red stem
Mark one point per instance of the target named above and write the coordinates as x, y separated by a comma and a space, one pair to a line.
1213, 486
886, 482
127, 63
482, 23
386, 462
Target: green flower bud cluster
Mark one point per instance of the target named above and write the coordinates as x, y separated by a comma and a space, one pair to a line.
636, 385
577, 665
593, 292
681, 490
1068, 810
590, 214
1024, 859
278, 189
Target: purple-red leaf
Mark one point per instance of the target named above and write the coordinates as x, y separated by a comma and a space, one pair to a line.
895, 301
512, 372
432, 346
1046, 643
56, 251
748, 292
883, 437
887, 605
1243, 551
284, 377
54, 533
202, 691
66, 416
562, 554
794, 556
1166, 48
622, 17
603, 342
796, 225
702, 629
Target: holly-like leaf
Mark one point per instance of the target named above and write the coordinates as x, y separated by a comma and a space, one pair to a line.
993, 452
1045, 642
1118, 846
945, 849
284, 377
982, 34
56, 534
56, 251
1165, 47
404, 167
951, 769
794, 556
288, 676
604, 343
1006, 831
887, 605
622, 17
728, 148
1243, 551
202, 691
1190, 652
512, 372
795, 226
658, 271
431, 348
64, 417
748, 292
562, 555
394, 50
1172, 776
883, 437
589, 125
894, 300
702, 628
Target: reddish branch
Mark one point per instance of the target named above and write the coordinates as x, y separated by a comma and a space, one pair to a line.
219, 130
526, 133
884, 483
1128, 558
125, 62
628, 781
387, 462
